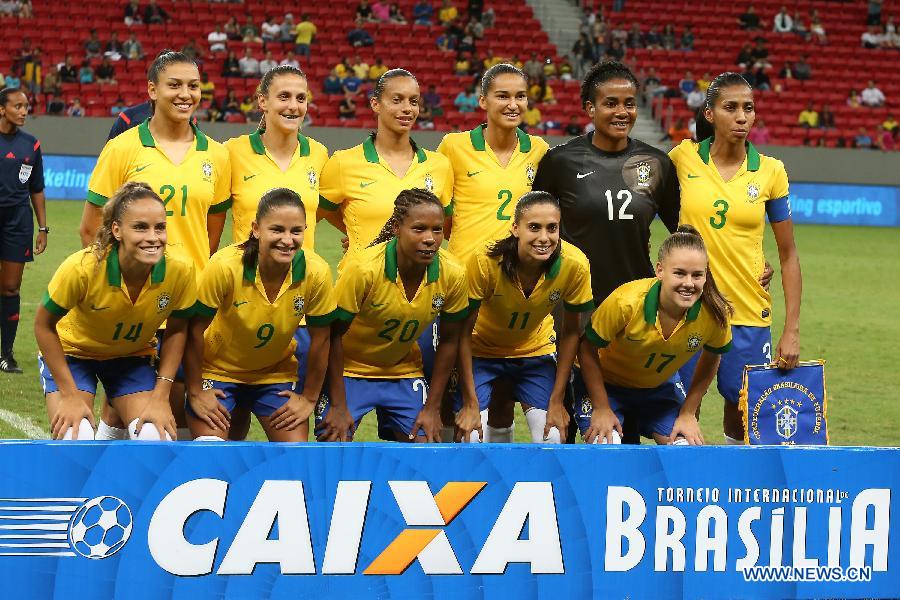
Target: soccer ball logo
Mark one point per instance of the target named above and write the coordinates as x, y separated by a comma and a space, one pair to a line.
100, 527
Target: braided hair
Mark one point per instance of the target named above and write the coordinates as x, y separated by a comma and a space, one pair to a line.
405, 201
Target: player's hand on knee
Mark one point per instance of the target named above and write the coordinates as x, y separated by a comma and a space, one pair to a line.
209, 410
788, 351
604, 423
429, 420
159, 415
467, 420
69, 412
337, 426
687, 428
556, 417
293, 413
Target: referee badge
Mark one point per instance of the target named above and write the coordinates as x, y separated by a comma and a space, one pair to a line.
643, 174
25, 173
312, 178
529, 174
207, 171
298, 306
162, 302
429, 183
752, 193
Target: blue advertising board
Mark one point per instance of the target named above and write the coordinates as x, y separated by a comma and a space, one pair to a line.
132, 520
66, 177
845, 204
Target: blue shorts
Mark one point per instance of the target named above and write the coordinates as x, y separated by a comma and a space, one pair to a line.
16, 233
160, 334
397, 403
301, 336
531, 378
260, 399
119, 376
749, 346
655, 408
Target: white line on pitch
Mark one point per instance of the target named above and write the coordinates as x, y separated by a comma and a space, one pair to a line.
23, 424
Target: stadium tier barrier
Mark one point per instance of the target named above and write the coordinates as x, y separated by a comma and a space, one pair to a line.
239, 520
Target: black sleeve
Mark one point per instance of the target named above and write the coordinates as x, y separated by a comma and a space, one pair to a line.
118, 127
36, 182
669, 201
543, 179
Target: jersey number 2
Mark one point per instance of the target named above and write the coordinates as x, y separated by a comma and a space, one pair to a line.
506, 197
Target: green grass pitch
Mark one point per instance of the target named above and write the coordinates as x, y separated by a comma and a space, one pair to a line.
850, 291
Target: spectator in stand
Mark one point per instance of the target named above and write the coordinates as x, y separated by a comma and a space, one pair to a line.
461, 66
68, 72
218, 40
787, 70
890, 124
248, 64
268, 63
565, 70
668, 37
531, 120
826, 118
290, 59
533, 67
395, 15
582, 53
132, 49
232, 29
24, 9
750, 21
687, 38
615, 51
133, 13
381, 12
351, 84
51, 83
808, 117
549, 69
432, 100
85, 73
762, 81
885, 140
573, 128
247, 105
422, 13
759, 133
749, 76
113, 48
783, 23
488, 17
305, 34
635, 37
232, 66
447, 14
679, 131
343, 68
376, 70
207, 88
347, 108
191, 51
490, 60
118, 107
154, 14
802, 69
270, 30
816, 28
760, 55
704, 82
31, 72
541, 92
364, 11
653, 40
687, 84
75, 109
106, 72
872, 96
359, 36
93, 46
853, 100
874, 13
11, 81
798, 27
476, 8
695, 99
56, 105
475, 28
360, 67
331, 85
872, 38
651, 85
446, 42
286, 29
466, 101
231, 105
745, 56
862, 139
249, 31
425, 119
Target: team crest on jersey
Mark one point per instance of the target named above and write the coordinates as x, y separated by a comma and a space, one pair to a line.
162, 302
752, 193
312, 177
643, 174
437, 303
298, 306
586, 408
529, 174
207, 171
429, 183
555, 295
694, 342
320, 405
207, 384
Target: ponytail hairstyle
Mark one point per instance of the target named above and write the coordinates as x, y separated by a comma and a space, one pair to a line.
599, 74
274, 198
161, 63
266, 82
507, 249
705, 129
686, 236
113, 211
387, 76
6, 92
487, 80
405, 201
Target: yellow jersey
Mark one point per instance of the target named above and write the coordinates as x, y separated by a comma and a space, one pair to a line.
99, 320
199, 185
485, 193
254, 172
364, 188
731, 217
633, 351
250, 339
384, 324
511, 325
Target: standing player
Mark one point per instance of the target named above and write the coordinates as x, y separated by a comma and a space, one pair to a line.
728, 190
386, 295
359, 184
646, 330
514, 284
189, 171
130, 117
21, 183
252, 297
100, 314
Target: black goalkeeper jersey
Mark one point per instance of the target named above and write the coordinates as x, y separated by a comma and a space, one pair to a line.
608, 200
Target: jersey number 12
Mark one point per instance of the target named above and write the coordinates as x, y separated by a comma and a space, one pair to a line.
623, 195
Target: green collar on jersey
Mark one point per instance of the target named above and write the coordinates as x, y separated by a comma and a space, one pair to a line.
257, 144
371, 153
298, 269
433, 271
114, 271
478, 142
753, 158
651, 305
556, 267
148, 141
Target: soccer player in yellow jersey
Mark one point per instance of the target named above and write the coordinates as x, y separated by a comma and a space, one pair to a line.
646, 330
493, 164
728, 189
251, 298
99, 317
514, 285
277, 154
386, 295
359, 184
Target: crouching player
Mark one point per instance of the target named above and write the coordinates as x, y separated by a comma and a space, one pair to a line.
251, 299
514, 284
99, 317
387, 295
646, 330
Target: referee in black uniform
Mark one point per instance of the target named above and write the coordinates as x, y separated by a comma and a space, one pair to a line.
610, 187
21, 189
